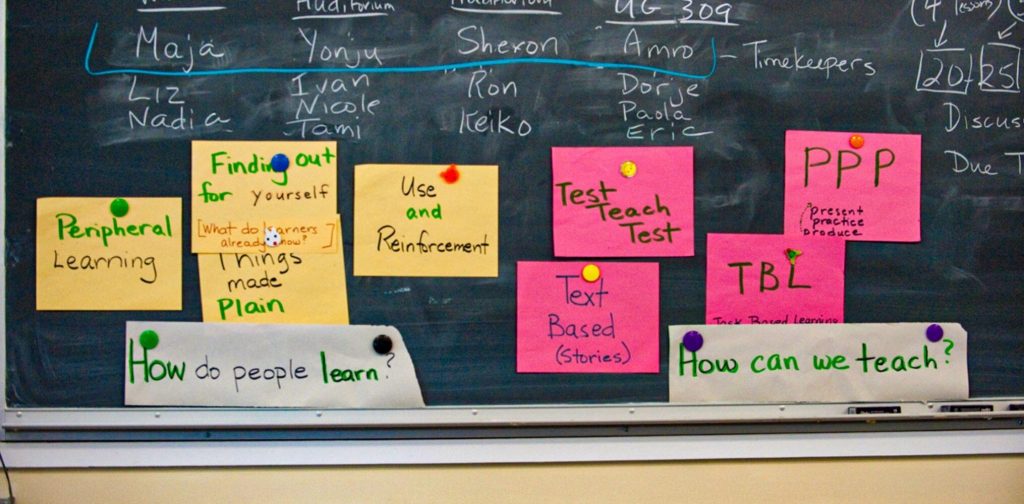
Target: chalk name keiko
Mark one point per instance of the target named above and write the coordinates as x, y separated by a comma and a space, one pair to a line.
593, 328
645, 223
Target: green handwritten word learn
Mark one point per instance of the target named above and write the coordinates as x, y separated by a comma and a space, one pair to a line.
257, 165
153, 370
67, 226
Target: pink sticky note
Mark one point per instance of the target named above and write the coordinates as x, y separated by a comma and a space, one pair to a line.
566, 324
866, 193
598, 211
751, 279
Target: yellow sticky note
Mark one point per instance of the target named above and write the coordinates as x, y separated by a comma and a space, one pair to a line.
108, 254
238, 182
275, 286
426, 221
311, 235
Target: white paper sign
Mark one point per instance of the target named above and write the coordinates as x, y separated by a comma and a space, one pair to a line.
322, 366
817, 363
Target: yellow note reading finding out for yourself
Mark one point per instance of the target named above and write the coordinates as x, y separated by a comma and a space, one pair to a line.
275, 287
426, 221
108, 254
238, 183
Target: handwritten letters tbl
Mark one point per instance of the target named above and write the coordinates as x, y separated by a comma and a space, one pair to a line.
774, 279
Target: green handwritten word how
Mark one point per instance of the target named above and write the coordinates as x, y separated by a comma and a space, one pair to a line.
240, 309
67, 225
336, 375
152, 370
257, 165
698, 366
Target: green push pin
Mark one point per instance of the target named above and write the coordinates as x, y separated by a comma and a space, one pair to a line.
149, 339
792, 254
119, 207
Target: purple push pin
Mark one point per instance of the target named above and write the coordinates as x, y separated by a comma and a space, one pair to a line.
693, 340
934, 333
279, 162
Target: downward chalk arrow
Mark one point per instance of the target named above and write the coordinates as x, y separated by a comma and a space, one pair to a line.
1007, 32
941, 40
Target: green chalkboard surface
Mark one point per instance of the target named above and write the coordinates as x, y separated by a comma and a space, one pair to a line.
104, 98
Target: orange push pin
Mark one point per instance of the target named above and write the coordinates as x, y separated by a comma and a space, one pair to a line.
591, 273
628, 169
856, 141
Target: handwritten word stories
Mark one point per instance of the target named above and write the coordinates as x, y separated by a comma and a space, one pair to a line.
566, 323
426, 220
194, 364
274, 287
236, 182
88, 258
867, 193
600, 210
817, 363
752, 279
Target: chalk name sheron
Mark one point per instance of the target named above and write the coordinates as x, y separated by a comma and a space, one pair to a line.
68, 227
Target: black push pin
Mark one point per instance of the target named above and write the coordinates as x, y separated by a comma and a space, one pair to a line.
382, 344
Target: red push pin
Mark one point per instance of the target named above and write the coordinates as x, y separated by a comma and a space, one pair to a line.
856, 141
451, 175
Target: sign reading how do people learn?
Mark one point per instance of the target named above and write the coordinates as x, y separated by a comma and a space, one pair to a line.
817, 363
196, 364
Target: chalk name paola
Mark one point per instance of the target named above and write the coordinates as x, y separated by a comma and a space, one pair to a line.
147, 369
575, 295
68, 228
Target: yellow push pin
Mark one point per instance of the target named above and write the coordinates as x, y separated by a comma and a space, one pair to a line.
591, 273
628, 169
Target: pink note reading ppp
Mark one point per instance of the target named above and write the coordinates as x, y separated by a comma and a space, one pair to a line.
866, 193
602, 209
565, 324
775, 279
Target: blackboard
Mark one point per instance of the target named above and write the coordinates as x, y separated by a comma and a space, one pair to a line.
81, 74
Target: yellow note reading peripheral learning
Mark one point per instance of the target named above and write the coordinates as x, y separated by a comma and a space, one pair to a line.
426, 221
109, 253
275, 287
239, 182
